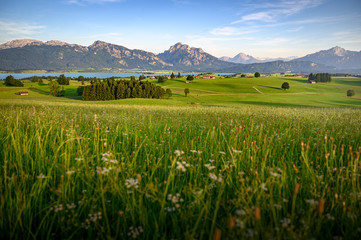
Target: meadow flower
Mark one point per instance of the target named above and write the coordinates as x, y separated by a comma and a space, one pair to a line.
69, 172
131, 183
236, 151
79, 159
240, 212
178, 152
312, 202
285, 222
134, 232
41, 176
214, 177
222, 152
209, 166
182, 166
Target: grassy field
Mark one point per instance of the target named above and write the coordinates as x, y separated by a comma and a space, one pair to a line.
224, 92
162, 169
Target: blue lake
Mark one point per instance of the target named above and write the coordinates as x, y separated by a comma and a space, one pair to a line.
74, 75
85, 74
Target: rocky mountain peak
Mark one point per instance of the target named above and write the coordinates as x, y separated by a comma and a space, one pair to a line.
20, 43
338, 51
56, 43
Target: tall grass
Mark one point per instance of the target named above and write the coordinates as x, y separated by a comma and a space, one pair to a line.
104, 172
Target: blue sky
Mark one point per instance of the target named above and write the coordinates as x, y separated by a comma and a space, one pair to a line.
259, 28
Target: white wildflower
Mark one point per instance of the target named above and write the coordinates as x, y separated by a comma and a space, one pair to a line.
178, 152
41, 176
131, 183
209, 166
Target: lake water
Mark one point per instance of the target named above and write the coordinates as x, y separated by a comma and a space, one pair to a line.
85, 74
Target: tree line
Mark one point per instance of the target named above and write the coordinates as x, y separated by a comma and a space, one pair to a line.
110, 89
320, 77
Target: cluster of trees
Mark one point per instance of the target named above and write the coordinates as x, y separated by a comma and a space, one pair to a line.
111, 89
11, 81
55, 89
62, 80
320, 77
36, 79
190, 78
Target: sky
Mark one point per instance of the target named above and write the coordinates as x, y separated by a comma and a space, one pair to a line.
260, 28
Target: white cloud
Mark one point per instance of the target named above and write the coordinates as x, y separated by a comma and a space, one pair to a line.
18, 28
275, 10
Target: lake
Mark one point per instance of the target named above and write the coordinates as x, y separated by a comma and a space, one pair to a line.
87, 74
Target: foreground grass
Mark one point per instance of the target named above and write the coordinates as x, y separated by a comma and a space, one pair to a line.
106, 171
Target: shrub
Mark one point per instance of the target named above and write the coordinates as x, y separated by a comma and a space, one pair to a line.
168, 92
257, 74
350, 93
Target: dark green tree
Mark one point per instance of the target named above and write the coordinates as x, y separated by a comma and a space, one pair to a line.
179, 75
186, 91
80, 91
285, 86
350, 93
172, 76
190, 78
141, 77
62, 80
257, 74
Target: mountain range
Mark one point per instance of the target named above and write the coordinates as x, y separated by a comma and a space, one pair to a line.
28, 54
247, 59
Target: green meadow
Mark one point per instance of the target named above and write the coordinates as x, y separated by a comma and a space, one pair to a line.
241, 164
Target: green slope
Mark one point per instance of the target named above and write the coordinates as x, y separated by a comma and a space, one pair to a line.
221, 92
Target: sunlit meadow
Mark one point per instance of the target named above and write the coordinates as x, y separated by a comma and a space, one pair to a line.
133, 172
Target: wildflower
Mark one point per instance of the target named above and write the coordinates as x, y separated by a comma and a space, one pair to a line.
70, 172
330, 217
178, 152
312, 202
222, 152
263, 186
79, 159
41, 176
71, 206
209, 166
285, 222
131, 183
135, 232
182, 166
236, 151
214, 177
240, 212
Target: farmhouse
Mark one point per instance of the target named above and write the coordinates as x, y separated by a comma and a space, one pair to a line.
23, 93
311, 81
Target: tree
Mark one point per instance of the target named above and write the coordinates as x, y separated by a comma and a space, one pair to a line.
190, 78
350, 93
257, 74
161, 79
80, 91
179, 75
54, 88
81, 79
141, 77
172, 76
11, 81
186, 91
285, 86
168, 92
62, 80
